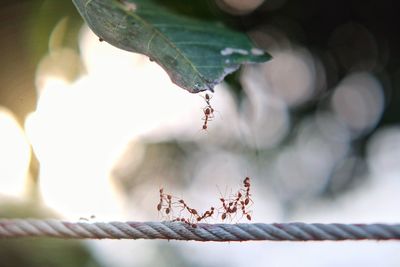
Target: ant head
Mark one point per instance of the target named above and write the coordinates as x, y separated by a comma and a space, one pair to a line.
161, 190
204, 127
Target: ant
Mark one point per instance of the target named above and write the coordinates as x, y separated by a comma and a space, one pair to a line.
228, 207
168, 209
247, 199
207, 214
244, 212
87, 219
208, 111
207, 117
246, 184
207, 97
185, 221
167, 199
192, 212
160, 204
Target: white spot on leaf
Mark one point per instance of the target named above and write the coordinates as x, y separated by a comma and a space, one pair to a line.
257, 52
229, 51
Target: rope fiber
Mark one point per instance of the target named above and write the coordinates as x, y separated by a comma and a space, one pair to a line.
17, 228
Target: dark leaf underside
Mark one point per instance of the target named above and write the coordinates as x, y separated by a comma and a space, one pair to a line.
196, 53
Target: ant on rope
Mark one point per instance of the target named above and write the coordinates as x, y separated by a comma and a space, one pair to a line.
246, 184
240, 201
160, 204
187, 221
168, 202
206, 214
235, 203
246, 200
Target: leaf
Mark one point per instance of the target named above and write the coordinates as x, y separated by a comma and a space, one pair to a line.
196, 52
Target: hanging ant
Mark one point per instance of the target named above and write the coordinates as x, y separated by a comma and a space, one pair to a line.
208, 111
206, 118
207, 98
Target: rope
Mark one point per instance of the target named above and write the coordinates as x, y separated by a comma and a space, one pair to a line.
16, 228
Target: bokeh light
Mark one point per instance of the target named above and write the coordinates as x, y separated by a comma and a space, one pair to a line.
358, 102
15, 156
239, 7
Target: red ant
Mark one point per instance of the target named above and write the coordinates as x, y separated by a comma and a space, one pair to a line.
246, 184
207, 98
229, 208
160, 204
169, 201
244, 212
207, 214
208, 112
206, 118
235, 203
192, 212
208, 115
247, 199
185, 221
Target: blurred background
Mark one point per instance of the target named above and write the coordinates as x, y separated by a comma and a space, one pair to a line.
90, 133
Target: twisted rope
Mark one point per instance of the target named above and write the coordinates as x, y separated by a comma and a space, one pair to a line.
15, 228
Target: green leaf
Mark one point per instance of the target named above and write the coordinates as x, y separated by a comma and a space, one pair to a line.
195, 51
